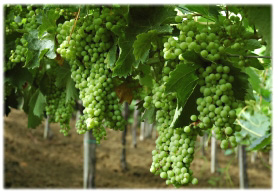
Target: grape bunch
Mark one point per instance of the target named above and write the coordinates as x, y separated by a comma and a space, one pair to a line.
210, 41
27, 23
19, 54
86, 48
217, 106
174, 146
175, 152
58, 109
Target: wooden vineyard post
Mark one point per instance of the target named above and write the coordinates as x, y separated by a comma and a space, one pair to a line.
47, 131
253, 157
153, 132
135, 126
270, 157
242, 161
213, 162
123, 156
89, 162
147, 130
142, 131
203, 143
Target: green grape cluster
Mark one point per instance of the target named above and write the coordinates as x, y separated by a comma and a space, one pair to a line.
19, 54
210, 41
27, 23
174, 146
217, 106
175, 152
67, 12
58, 109
86, 48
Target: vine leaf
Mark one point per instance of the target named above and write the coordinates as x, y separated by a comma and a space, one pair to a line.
18, 76
141, 20
260, 143
255, 63
182, 81
48, 22
192, 56
252, 44
253, 78
145, 78
207, 11
63, 79
112, 55
36, 107
149, 115
244, 91
260, 16
11, 102
182, 114
257, 122
142, 44
124, 93
37, 48
39, 103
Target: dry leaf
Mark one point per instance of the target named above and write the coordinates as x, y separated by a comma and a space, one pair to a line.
124, 93
59, 59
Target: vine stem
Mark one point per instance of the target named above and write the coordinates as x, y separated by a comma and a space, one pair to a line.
74, 23
236, 55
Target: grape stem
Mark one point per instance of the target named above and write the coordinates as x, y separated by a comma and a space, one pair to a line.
74, 24
236, 55
227, 13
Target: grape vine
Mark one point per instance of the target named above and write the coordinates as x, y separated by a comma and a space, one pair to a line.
190, 71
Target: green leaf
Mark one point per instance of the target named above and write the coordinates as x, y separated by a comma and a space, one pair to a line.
141, 20
244, 91
139, 105
112, 55
38, 47
36, 108
33, 120
63, 79
12, 101
252, 44
149, 115
18, 19
48, 22
209, 11
255, 63
182, 114
258, 123
253, 78
71, 91
39, 104
229, 152
192, 56
18, 76
182, 81
260, 16
146, 80
260, 143
142, 45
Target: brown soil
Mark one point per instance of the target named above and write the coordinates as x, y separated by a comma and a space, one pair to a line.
30, 161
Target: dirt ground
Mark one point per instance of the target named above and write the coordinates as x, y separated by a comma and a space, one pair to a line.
30, 161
